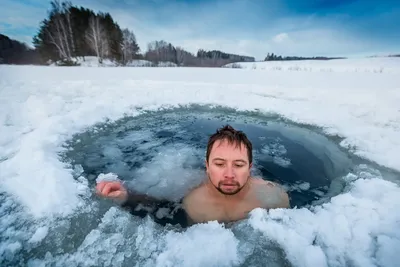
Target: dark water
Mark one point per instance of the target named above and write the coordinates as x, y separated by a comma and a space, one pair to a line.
170, 146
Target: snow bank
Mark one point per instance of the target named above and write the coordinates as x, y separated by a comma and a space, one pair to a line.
357, 228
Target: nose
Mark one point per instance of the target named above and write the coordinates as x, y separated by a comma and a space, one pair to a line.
229, 173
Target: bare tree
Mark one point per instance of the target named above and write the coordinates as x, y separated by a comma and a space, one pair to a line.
59, 30
67, 8
97, 38
129, 46
180, 56
56, 39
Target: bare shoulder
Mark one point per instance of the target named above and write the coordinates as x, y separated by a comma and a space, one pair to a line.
195, 196
257, 180
270, 194
195, 204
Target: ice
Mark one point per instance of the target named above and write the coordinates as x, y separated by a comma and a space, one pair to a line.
304, 186
43, 107
39, 235
102, 246
10, 247
276, 151
107, 177
221, 250
14, 228
166, 176
344, 231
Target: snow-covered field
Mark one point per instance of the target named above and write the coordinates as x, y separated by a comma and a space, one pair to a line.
368, 65
42, 107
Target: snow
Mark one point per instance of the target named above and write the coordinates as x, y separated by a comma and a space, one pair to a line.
178, 246
39, 235
42, 107
107, 177
357, 228
369, 65
92, 61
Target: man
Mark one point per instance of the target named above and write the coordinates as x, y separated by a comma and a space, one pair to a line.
228, 193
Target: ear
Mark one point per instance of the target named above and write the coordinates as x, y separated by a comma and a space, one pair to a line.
206, 163
250, 166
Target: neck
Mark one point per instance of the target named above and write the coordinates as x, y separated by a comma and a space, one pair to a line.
238, 196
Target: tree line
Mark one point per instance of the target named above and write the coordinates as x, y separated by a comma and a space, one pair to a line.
15, 52
273, 57
70, 32
162, 51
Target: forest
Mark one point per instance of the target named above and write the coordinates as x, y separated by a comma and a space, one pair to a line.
70, 32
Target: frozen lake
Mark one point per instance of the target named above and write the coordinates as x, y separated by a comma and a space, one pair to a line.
330, 138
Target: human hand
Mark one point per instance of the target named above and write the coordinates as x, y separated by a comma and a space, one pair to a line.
113, 190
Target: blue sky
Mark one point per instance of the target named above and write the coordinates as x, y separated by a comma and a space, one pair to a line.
286, 27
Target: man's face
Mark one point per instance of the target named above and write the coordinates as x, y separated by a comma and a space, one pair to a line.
228, 167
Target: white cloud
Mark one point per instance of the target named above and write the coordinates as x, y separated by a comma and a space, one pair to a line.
232, 27
280, 38
219, 28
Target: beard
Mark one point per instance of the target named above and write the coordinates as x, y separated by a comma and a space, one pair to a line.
233, 191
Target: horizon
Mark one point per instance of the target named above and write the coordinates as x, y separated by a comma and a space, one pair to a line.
344, 28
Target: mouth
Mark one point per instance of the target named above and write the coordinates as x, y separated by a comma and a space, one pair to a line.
229, 186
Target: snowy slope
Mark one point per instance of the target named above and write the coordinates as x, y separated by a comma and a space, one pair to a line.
41, 107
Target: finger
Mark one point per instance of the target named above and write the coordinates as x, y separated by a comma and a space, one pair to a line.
110, 187
100, 186
115, 194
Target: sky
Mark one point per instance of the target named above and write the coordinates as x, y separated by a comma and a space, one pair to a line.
252, 28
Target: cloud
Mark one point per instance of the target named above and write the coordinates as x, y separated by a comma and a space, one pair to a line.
237, 26
280, 38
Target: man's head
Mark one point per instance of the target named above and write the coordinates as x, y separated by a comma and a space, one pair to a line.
228, 160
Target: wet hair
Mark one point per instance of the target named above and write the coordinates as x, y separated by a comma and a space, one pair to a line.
233, 136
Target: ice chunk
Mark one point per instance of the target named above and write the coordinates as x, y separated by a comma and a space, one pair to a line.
39, 235
213, 246
276, 151
169, 174
107, 177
